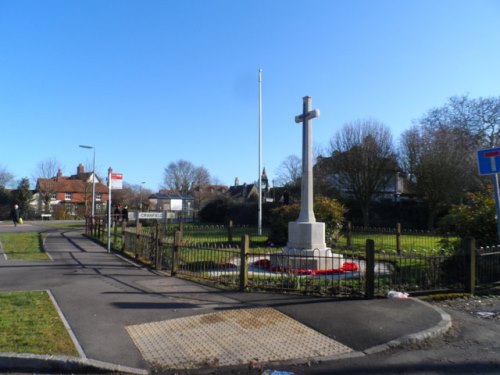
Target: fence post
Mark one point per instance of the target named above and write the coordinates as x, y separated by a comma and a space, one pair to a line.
230, 231
245, 244
124, 229
349, 234
138, 230
398, 238
175, 252
99, 228
157, 247
470, 256
138, 226
115, 232
370, 269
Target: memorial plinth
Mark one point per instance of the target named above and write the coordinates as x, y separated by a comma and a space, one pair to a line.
306, 249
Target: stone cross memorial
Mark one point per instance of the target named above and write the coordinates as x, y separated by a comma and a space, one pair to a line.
306, 248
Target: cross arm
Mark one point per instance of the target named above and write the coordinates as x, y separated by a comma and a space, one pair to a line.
307, 116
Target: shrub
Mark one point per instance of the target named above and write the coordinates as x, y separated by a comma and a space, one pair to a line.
326, 210
331, 212
221, 211
280, 217
474, 218
215, 212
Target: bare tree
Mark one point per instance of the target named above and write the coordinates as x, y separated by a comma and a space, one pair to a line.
440, 150
44, 177
5, 176
182, 175
289, 175
131, 195
410, 147
478, 119
289, 171
362, 161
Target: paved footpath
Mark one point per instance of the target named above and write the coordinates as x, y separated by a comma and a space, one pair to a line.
130, 316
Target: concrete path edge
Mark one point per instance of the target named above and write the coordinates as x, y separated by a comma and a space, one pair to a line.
34, 362
71, 334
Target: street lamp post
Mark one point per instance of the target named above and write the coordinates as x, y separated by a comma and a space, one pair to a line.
93, 179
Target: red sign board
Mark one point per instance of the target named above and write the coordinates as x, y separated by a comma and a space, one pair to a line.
116, 181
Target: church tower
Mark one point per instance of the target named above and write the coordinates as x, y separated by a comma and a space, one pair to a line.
265, 182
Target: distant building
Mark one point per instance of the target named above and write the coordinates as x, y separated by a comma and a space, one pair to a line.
204, 194
71, 194
247, 192
172, 201
397, 186
243, 193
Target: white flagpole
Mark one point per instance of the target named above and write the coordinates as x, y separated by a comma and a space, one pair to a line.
260, 154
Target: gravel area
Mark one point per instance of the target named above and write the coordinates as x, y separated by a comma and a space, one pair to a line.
483, 307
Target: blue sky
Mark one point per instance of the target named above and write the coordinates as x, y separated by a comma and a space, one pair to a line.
151, 82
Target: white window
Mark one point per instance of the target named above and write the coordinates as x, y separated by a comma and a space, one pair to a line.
68, 196
54, 196
98, 196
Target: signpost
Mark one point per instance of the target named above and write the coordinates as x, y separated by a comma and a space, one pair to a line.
115, 181
488, 161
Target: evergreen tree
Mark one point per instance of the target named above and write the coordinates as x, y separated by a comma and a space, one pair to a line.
23, 196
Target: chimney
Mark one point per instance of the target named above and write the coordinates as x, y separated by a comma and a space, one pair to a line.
59, 174
80, 170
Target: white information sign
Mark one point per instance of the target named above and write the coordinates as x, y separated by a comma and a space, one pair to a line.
176, 204
151, 215
116, 181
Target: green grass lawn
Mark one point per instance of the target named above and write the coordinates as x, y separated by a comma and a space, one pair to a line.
56, 224
29, 323
419, 244
24, 246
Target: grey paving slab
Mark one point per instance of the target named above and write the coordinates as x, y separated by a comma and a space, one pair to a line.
231, 337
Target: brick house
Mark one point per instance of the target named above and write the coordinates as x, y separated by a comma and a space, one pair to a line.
71, 195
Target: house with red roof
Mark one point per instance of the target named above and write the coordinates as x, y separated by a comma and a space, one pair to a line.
71, 195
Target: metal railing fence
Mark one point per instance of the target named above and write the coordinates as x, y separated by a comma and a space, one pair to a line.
222, 256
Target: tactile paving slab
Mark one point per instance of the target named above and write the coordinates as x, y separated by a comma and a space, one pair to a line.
230, 337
